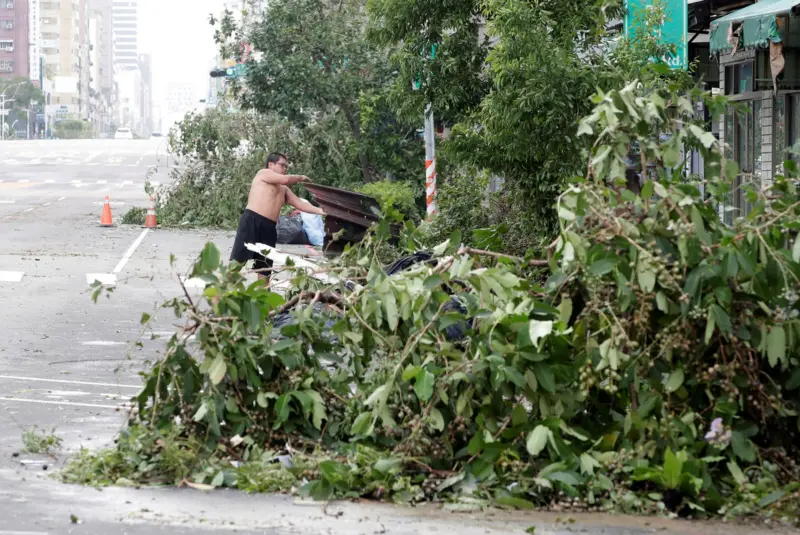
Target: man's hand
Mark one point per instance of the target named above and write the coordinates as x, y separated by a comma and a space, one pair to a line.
298, 179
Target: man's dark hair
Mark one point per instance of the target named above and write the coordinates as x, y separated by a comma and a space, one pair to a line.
275, 157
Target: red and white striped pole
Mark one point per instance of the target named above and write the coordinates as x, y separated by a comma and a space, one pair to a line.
430, 162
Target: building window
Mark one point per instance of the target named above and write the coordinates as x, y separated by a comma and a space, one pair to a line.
743, 143
6, 65
6, 24
7, 46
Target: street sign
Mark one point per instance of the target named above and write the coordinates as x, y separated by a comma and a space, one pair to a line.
673, 30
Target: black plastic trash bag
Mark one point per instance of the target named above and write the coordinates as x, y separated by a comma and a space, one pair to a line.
402, 264
290, 231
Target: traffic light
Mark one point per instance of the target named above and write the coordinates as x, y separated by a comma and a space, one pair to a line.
219, 73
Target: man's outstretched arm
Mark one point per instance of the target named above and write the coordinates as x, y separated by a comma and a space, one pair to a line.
271, 177
302, 204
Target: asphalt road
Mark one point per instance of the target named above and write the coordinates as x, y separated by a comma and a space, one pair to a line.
69, 365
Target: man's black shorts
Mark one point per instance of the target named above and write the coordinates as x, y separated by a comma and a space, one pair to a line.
254, 228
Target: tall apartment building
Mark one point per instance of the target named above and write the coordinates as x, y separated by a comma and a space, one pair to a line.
102, 89
14, 38
63, 46
34, 40
125, 24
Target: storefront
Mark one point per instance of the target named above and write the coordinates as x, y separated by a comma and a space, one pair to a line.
759, 64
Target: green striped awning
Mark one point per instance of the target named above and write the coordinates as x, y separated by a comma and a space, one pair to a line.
759, 26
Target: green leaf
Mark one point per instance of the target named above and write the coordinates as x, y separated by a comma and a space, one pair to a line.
742, 447
218, 479
662, 303
377, 394
437, 420
145, 318
673, 467
317, 408
251, 313
517, 503
537, 439
601, 267
699, 226
710, 326
362, 426
794, 381
565, 311
201, 412
209, 258
737, 473
261, 399
674, 381
386, 466
776, 345
566, 214
423, 386
647, 190
588, 464
771, 498
564, 477
545, 376
217, 370
722, 319
530, 380
410, 372
282, 408
796, 249
390, 305
660, 190
538, 330
646, 277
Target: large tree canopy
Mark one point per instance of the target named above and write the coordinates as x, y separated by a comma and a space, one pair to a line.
314, 62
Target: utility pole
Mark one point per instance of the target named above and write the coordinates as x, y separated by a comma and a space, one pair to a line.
430, 148
430, 161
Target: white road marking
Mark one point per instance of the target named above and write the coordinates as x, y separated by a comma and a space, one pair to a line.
107, 279
102, 181
71, 403
49, 181
11, 276
61, 198
28, 210
47, 204
102, 343
110, 203
63, 381
7, 202
75, 182
5, 532
23, 181
130, 251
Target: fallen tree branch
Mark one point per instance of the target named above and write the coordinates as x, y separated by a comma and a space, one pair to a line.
481, 252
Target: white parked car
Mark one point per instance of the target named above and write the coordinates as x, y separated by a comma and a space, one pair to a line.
123, 133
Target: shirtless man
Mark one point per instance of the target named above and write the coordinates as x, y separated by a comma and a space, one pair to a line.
258, 224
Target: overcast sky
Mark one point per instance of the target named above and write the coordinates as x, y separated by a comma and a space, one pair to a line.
177, 34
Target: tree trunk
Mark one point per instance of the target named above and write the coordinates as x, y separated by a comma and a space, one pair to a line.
355, 129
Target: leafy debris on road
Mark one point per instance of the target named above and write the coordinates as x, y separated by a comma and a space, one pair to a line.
650, 365
40, 442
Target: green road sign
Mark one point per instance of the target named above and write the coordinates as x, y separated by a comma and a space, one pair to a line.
673, 30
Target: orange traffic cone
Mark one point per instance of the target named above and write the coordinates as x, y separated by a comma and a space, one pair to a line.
105, 219
150, 220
